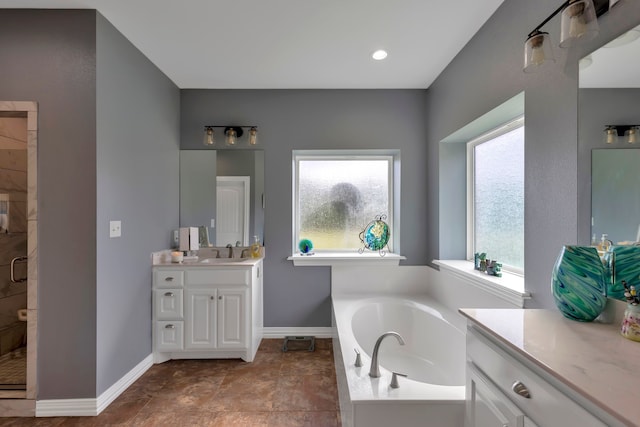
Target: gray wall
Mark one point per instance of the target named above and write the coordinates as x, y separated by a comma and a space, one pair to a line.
316, 119
137, 183
486, 73
597, 108
49, 57
116, 158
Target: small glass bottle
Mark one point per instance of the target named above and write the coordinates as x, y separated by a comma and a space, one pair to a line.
255, 247
631, 323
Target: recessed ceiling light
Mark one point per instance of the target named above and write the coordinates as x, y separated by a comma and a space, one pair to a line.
379, 55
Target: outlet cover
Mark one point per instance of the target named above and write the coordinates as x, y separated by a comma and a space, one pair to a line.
115, 229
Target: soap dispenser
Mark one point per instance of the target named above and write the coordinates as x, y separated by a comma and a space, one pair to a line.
255, 247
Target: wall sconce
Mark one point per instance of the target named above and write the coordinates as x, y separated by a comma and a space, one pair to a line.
579, 23
231, 133
631, 133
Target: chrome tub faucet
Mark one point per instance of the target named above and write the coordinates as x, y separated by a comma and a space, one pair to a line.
374, 371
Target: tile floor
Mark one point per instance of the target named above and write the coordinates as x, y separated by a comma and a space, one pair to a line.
294, 388
13, 369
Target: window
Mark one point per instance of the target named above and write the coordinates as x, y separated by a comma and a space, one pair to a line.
495, 195
337, 193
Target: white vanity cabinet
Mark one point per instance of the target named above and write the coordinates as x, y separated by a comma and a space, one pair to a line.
503, 391
207, 312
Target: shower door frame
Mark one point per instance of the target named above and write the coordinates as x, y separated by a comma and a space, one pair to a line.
23, 402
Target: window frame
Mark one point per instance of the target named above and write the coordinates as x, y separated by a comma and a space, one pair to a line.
392, 157
487, 136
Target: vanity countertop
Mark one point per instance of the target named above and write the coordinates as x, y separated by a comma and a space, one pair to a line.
215, 262
591, 358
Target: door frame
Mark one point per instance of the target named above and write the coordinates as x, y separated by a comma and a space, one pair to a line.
30, 109
246, 181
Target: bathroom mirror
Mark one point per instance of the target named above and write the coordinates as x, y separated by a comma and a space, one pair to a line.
223, 190
608, 173
615, 195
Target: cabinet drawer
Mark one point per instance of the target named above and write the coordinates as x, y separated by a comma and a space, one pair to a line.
546, 405
169, 335
168, 278
218, 276
168, 304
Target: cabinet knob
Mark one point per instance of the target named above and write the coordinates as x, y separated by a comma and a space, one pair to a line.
168, 294
220, 297
170, 326
168, 279
521, 389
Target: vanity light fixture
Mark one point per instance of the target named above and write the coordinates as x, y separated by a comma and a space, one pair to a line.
631, 133
232, 134
579, 23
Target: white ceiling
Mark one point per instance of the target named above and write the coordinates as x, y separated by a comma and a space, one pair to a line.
292, 44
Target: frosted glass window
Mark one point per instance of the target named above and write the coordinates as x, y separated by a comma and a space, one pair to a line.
498, 195
337, 197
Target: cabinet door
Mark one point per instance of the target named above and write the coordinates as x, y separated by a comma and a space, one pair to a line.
232, 318
168, 335
486, 406
200, 319
167, 304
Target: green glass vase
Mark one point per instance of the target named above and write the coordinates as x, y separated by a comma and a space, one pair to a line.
578, 283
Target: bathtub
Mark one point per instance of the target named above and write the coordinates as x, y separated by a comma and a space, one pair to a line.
433, 358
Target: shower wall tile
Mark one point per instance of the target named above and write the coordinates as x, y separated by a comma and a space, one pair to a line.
6, 287
14, 128
12, 337
13, 159
9, 310
11, 246
13, 181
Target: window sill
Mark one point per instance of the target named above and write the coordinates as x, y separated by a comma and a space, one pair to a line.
345, 258
509, 287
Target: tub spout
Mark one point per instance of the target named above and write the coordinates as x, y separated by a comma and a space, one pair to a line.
374, 372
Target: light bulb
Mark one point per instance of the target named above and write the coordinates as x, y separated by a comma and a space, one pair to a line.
253, 136
537, 55
208, 136
576, 26
632, 135
231, 136
610, 134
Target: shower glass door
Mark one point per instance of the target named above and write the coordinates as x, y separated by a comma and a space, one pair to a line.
13, 252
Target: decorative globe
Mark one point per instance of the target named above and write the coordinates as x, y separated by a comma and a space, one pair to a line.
376, 235
305, 246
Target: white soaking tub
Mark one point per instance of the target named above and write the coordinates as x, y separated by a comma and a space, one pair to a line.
433, 358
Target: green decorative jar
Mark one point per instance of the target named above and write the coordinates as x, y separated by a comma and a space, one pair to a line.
578, 283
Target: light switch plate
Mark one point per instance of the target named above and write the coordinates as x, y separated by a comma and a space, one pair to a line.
115, 229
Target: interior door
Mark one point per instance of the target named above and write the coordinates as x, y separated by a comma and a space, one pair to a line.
232, 210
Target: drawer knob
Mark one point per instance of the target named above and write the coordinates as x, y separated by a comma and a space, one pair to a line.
168, 279
521, 389
168, 294
170, 327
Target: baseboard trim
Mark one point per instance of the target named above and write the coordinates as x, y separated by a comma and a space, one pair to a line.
278, 332
92, 406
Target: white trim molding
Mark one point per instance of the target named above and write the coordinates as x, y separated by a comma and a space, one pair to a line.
346, 259
509, 287
278, 332
91, 407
